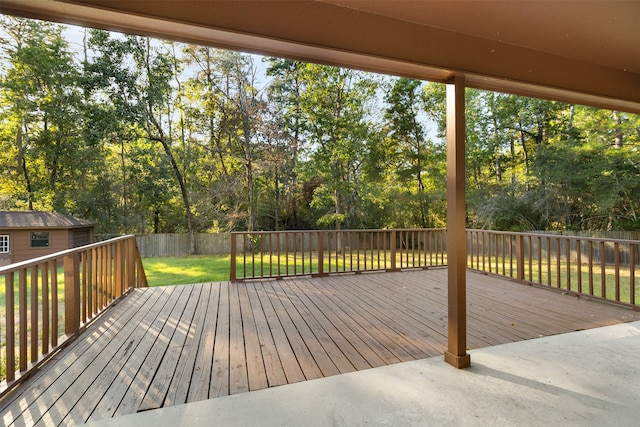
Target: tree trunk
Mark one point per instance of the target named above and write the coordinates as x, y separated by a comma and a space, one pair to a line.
152, 121
619, 136
248, 164
22, 164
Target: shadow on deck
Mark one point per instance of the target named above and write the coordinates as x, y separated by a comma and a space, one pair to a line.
171, 345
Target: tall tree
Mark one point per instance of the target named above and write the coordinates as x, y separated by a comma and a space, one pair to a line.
335, 105
285, 93
414, 155
41, 107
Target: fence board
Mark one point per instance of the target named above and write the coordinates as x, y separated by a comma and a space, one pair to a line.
173, 244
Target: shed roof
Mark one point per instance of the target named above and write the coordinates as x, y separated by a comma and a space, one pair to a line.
38, 219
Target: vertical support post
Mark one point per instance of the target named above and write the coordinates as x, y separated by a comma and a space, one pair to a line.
632, 273
131, 257
117, 268
10, 349
320, 253
456, 354
34, 314
520, 257
53, 267
392, 247
603, 270
22, 317
71, 294
44, 273
232, 267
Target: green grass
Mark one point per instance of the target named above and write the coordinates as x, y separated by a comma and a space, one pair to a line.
186, 270
215, 268
60, 277
549, 276
260, 265
16, 287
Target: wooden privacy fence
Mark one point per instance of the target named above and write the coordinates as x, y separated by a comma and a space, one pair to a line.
175, 244
297, 253
602, 268
49, 300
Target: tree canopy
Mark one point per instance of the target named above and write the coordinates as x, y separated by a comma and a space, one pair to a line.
147, 136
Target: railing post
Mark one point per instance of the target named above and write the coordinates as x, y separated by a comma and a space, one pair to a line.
392, 246
632, 273
233, 250
320, 253
10, 347
117, 269
131, 263
520, 257
71, 293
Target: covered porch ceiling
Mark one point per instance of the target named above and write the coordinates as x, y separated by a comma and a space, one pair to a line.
585, 52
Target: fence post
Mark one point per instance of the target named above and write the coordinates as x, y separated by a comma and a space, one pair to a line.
520, 257
232, 268
320, 253
392, 246
71, 264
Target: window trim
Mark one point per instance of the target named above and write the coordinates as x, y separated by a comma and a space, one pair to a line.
5, 244
40, 239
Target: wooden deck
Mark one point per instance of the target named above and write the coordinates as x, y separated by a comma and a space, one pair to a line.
167, 346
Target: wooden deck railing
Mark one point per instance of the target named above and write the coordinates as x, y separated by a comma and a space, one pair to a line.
298, 253
49, 300
601, 268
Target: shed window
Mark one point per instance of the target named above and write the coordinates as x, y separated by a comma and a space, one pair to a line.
39, 239
4, 243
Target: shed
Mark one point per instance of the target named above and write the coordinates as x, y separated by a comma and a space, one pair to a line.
31, 234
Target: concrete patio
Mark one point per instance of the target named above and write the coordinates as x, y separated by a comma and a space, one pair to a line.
585, 378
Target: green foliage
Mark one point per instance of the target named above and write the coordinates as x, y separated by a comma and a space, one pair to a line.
145, 136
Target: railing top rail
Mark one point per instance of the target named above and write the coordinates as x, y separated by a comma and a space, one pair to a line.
557, 236
353, 230
35, 261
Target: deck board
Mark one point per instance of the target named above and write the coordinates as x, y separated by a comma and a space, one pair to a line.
150, 353
273, 366
310, 363
179, 387
49, 385
219, 384
105, 370
195, 384
165, 346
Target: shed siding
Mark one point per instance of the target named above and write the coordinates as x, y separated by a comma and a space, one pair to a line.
80, 237
22, 250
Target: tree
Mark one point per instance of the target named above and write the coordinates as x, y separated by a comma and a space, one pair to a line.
285, 93
41, 107
232, 111
335, 106
416, 162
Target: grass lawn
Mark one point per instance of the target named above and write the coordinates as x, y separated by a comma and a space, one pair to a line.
547, 274
186, 270
60, 277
